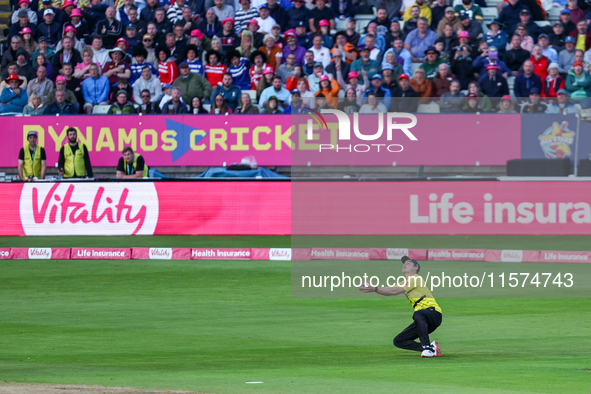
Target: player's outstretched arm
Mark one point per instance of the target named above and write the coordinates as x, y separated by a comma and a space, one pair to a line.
386, 291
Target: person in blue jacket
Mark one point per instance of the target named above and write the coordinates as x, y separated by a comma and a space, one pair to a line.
496, 37
13, 98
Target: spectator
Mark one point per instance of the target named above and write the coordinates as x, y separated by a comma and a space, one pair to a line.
122, 105
109, 29
373, 105
272, 52
191, 84
346, 49
80, 26
391, 64
533, 29
147, 14
509, 16
67, 54
345, 8
167, 68
379, 91
349, 104
321, 53
472, 105
562, 105
35, 105
453, 100
265, 82
99, 54
330, 89
516, 55
24, 5
309, 63
60, 106
431, 65
278, 13
422, 86
352, 35
412, 23
244, 14
45, 5
566, 57
353, 83
230, 92
557, 37
175, 11
13, 98
74, 160
139, 27
374, 52
287, 68
473, 11
424, 11
164, 98
442, 81
197, 106
527, 81
23, 21
484, 103
496, 37
147, 106
214, 70
540, 62
40, 85
578, 82
378, 40
319, 13
13, 69
219, 105
474, 28
394, 32
140, 55
46, 52
95, 89
576, 13
223, 10
506, 106
81, 71
297, 105
534, 105
493, 84
191, 54
550, 53
149, 82
163, 26
449, 18
61, 84
569, 25
405, 98
245, 106
364, 62
338, 66
403, 56
210, 25
490, 56
276, 90
27, 41
417, 41
579, 57
9, 55
117, 67
553, 82
258, 60
272, 106
257, 37
265, 21
298, 14
461, 66
64, 15
582, 36
438, 13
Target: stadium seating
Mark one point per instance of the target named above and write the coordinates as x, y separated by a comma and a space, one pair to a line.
431, 108
100, 109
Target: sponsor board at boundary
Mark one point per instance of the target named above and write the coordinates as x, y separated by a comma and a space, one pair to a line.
295, 254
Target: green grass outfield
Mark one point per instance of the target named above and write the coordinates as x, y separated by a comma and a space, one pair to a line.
211, 326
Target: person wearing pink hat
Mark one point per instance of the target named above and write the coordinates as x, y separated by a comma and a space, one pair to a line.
404, 97
506, 105
244, 14
330, 89
82, 29
228, 36
257, 37
13, 98
293, 47
353, 79
64, 16
70, 31
27, 41
266, 80
24, 5
493, 83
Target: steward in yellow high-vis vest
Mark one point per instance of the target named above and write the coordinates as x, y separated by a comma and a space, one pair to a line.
31, 159
427, 313
131, 165
74, 161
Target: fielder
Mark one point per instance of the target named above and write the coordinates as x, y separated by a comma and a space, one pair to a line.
427, 315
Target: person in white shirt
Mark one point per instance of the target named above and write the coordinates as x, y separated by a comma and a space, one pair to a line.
266, 22
321, 54
99, 54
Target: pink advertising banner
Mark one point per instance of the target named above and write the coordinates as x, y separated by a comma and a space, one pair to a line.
279, 140
450, 207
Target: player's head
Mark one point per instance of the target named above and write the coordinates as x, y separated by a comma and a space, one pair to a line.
410, 266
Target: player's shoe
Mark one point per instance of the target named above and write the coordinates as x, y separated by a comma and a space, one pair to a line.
428, 351
436, 347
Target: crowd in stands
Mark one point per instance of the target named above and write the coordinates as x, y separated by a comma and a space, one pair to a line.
219, 56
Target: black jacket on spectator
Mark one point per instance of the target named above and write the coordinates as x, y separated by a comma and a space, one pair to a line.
536, 10
318, 15
114, 89
569, 28
297, 15
97, 13
509, 16
56, 14
82, 31
390, 38
404, 100
533, 30
514, 58
113, 31
462, 68
280, 15
148, 14
16, 28
211, 30
350, 9
345, 68
58, 59
437, 14
409, 26
51, 32
54, 108
496, 87
354, 39
557, 41
181, 109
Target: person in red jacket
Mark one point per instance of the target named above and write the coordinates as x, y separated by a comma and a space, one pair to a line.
553, 82
214, 70
540, 62
167, 68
